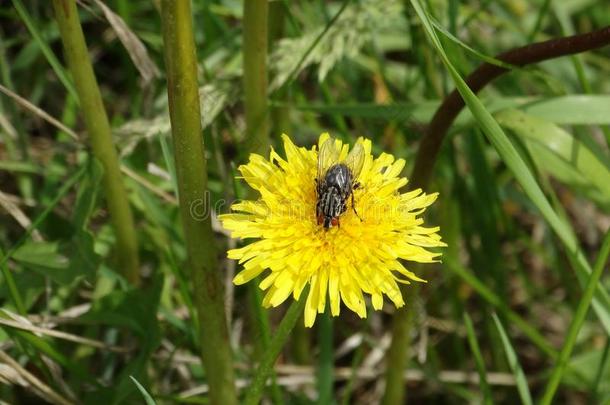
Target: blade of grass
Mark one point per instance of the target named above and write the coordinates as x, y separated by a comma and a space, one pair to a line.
192, 180
147, 397
315, 42
17, 147
488, 295
12, 286
67, 185
603, 365
478, 359
570, 110
98, 126
46, 51
577, 321
515, 163
255, 390
543, 11
513, 362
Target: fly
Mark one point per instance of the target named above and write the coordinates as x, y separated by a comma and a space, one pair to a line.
336, 182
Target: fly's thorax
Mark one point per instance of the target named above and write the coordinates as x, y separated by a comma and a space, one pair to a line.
340, 177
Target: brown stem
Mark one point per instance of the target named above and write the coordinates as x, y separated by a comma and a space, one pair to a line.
452, 104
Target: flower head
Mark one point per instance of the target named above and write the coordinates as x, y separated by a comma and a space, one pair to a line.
361, 255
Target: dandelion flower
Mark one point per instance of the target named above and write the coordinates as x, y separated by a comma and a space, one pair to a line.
362, 255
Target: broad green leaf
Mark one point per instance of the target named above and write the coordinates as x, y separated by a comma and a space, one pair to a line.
558, 153
63, 262
572, 109
41, 254
582, 370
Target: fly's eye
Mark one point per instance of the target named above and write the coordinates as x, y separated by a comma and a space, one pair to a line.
320, 219
334, 221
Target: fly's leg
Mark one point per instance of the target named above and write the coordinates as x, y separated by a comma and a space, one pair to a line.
353, 204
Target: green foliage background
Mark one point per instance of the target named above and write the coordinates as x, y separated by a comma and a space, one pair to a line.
524, 182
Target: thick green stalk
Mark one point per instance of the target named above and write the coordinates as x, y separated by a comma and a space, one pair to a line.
577, 322
98, 127
255, 75
191, 172
280, 116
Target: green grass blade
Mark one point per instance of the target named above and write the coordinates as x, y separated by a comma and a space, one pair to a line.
169, 161
478, 359
488, 295
46, 51
569, 110
513, 362
147, 397
603, 365
515, 163
577, 321
60, 194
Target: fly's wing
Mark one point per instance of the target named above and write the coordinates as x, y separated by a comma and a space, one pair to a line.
355, 160
328, 156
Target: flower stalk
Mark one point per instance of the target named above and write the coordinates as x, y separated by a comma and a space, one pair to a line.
98, 127
191, 171
255, 21
255, 390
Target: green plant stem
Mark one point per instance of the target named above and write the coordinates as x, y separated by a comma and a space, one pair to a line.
100, 136
398, 352
280, 115
326, 361
429, 149
299, 345
577, 322
261, 323
256, 14
191, 173
255, 391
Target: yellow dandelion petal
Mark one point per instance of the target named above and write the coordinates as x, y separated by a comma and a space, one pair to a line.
360, 255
